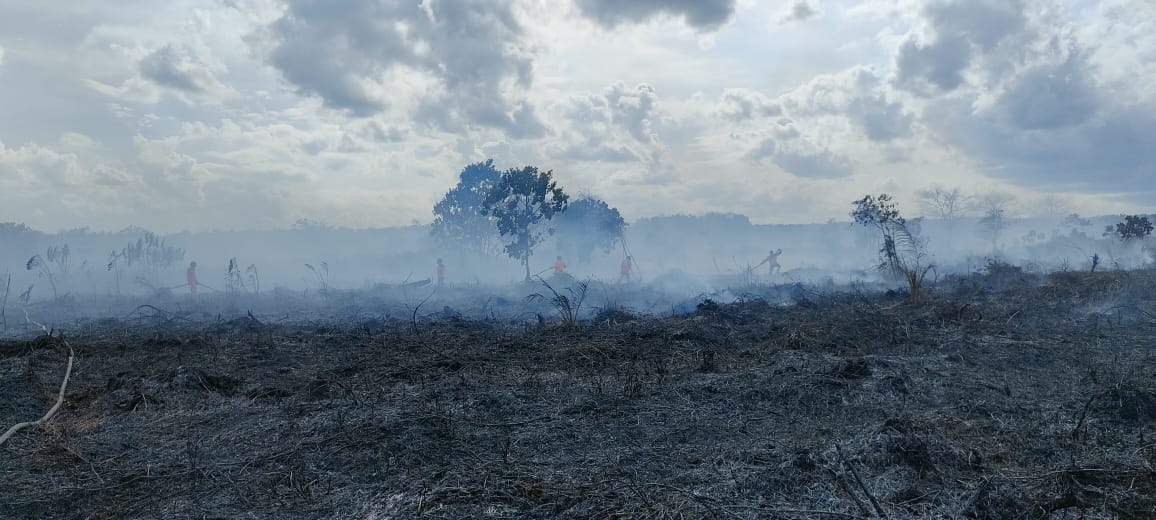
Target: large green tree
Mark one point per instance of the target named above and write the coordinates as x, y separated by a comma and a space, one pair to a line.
1134, 227
589, 225
521, 204
458, 217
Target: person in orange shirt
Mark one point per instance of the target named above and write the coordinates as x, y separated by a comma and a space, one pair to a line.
559, 266
191, 277
441, 273
627, 267
772, 261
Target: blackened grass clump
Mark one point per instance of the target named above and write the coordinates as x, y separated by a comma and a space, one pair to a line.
238, 281
321, 275
567, 303
54, 264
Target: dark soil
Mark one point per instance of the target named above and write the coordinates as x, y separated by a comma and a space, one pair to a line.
1028, 398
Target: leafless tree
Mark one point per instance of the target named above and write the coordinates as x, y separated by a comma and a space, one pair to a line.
944, 203
993, 202
1054, 206
994, 207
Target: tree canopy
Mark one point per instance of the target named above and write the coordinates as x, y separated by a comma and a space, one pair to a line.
1134, 227
458, 217
588, 225
522, 200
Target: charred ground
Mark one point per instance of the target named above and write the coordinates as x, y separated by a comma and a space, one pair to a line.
1005, 395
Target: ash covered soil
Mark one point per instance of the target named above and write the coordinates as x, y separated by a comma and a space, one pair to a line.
1010, 396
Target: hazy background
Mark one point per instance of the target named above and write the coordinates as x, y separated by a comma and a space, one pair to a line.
682, 254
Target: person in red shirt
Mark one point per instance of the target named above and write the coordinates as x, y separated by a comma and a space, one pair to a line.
627, 267
441, 273
559, 266
191, 277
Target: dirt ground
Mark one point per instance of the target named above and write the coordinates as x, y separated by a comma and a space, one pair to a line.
1005, 395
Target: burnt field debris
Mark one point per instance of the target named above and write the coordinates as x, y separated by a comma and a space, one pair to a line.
998, 395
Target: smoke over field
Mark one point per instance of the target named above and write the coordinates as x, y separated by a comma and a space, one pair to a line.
337, 373
672, 260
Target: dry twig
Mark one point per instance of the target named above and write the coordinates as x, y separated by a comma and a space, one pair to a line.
55, 408
859, 481
4, 302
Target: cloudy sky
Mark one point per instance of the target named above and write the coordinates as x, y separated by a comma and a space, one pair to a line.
231, 114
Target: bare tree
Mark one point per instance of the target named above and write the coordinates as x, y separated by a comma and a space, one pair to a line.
943, 203
994, 207
1054, 206
946, 204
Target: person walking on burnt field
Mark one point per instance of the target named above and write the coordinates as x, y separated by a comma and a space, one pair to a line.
772, 261
191, 277
441, 273
626, 270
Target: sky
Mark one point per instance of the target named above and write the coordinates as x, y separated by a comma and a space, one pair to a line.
251, 114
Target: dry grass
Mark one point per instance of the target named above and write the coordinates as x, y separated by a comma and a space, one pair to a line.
1023, 400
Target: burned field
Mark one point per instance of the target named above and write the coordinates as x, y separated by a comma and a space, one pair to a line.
1001, 396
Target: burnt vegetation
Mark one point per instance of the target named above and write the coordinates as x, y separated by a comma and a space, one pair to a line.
1003, 394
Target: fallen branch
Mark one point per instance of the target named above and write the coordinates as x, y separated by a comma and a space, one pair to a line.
859, 481
841, 481
1135, 308
416, 332
712, 504
28, 320
158, 313
1051, 474
55, 408
418, 283
807, 512
166, 314
1083, 415
4, 303
498, 425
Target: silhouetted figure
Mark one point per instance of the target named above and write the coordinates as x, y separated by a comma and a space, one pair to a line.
559, 266
626, 269
772, 261
441, 273
191, 277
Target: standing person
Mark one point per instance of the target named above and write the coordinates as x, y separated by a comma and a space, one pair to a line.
627, 267
191, 277
441, 273
559, 266
772, 261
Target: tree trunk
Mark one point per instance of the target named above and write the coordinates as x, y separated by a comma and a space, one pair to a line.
526, 262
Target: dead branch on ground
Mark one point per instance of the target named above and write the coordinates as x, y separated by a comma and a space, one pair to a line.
4, 302
859, 481
55, 408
